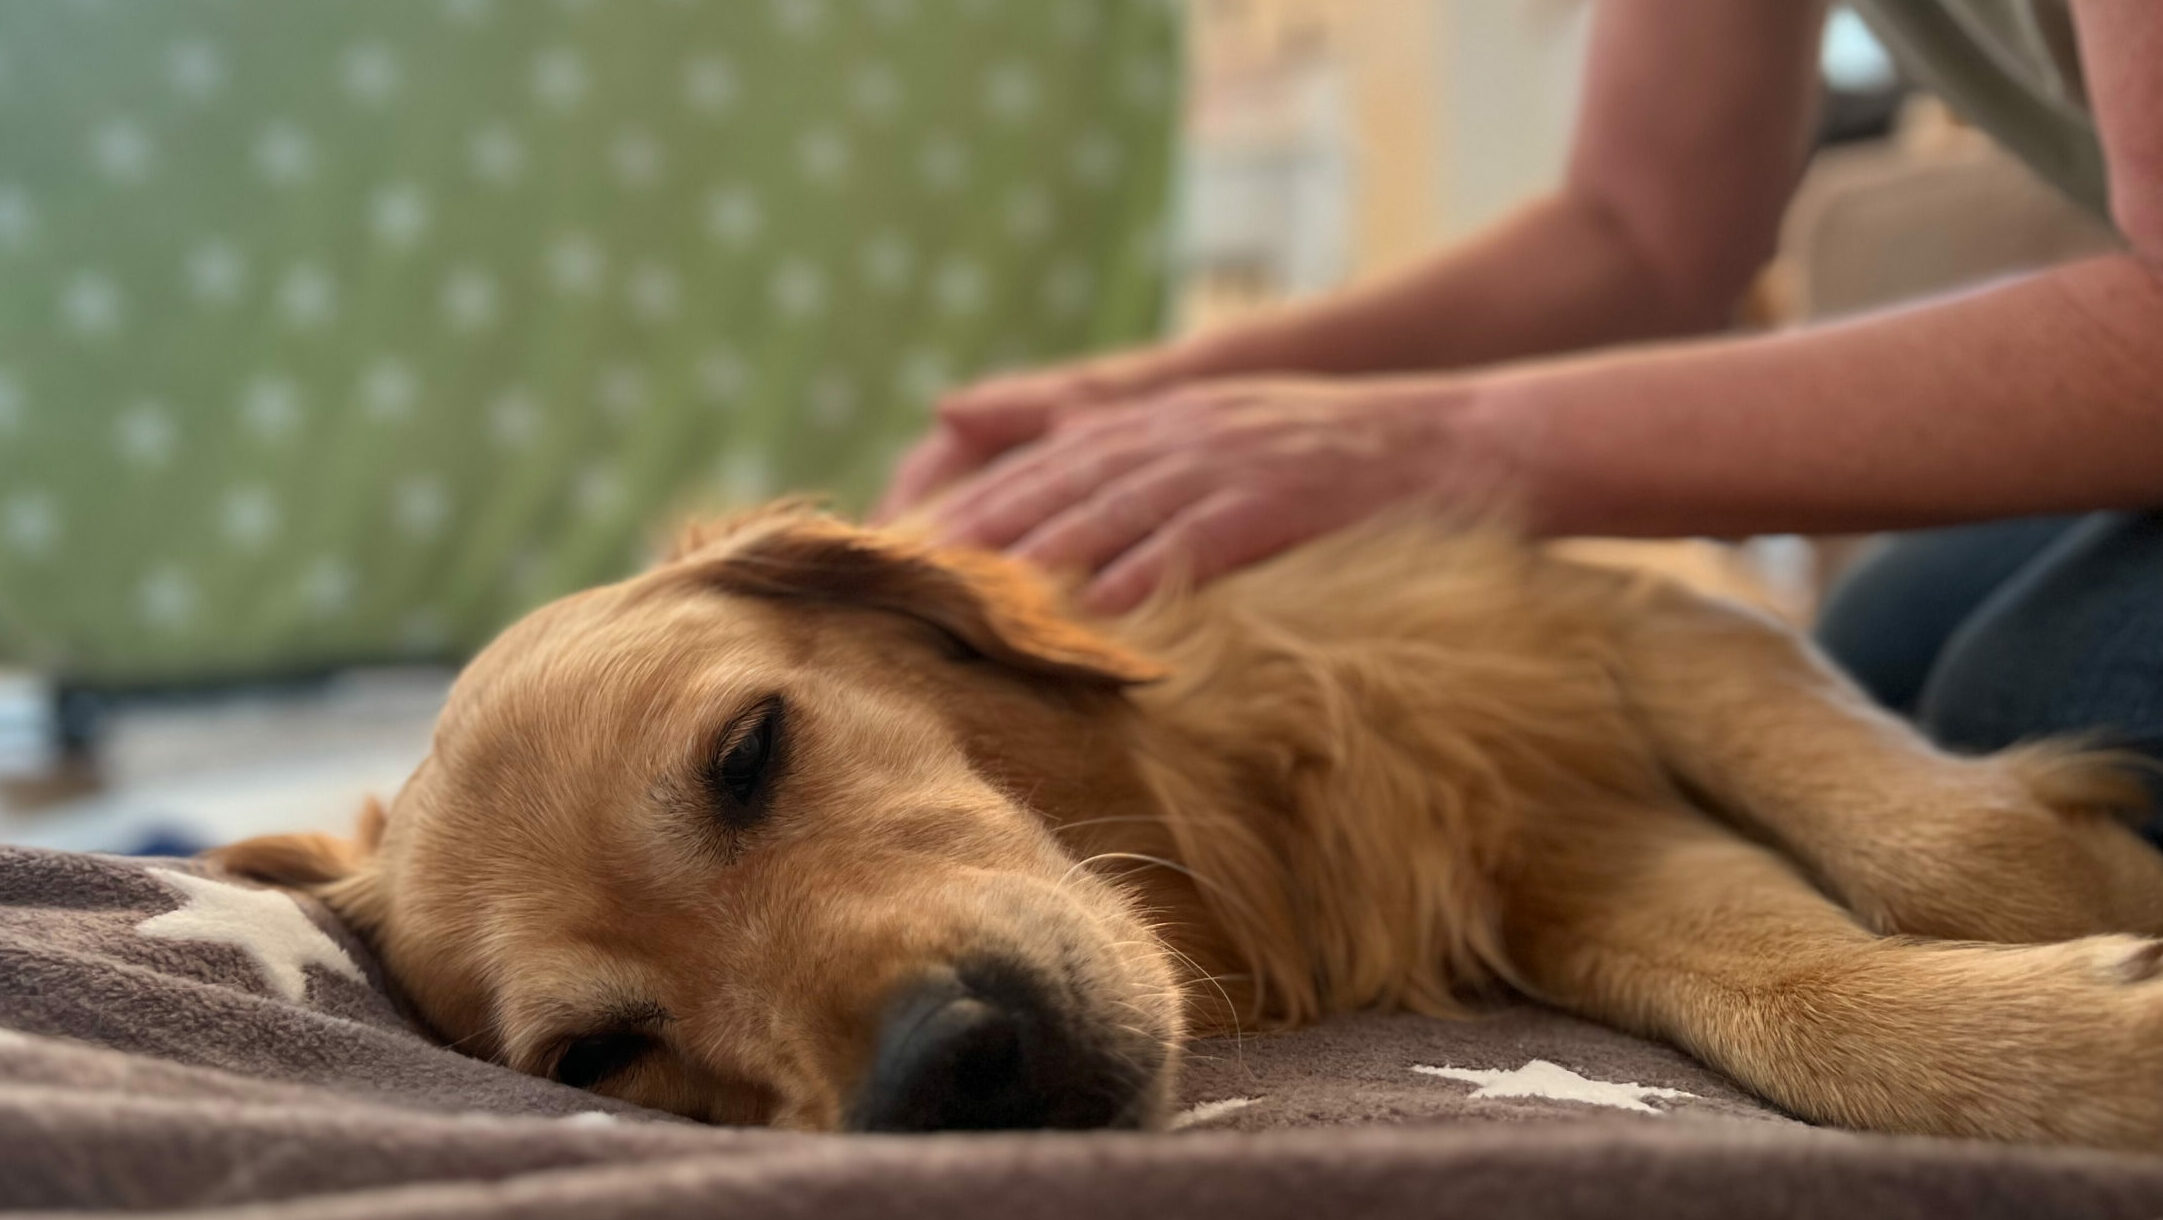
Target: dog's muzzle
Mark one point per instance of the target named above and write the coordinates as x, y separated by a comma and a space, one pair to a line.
987, 1047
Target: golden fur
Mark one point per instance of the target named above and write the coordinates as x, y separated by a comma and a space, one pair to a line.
1409, 766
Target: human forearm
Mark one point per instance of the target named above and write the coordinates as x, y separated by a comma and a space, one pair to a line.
1558, 275
1691, 127
2040, 395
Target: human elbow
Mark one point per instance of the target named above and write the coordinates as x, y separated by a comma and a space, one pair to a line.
1694, 269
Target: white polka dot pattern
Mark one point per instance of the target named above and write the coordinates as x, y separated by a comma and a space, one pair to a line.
343, 332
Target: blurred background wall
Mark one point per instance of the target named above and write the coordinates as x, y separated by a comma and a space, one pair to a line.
1327, 140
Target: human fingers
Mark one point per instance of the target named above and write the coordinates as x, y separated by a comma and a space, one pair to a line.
1118, 515
1222, 532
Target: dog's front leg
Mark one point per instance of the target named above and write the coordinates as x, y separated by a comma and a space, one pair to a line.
1660, 921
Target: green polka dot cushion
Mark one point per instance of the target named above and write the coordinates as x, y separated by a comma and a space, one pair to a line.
345, 330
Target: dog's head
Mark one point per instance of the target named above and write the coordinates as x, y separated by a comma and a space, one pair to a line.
744, 838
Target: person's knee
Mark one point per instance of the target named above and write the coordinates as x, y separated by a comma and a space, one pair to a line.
2073, 645
1889, 618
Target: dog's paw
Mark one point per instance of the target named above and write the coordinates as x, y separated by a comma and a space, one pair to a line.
1986, 858
2125, 960
2058, 1043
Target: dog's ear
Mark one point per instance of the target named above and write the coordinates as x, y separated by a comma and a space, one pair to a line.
702, 535
340, 872
992, 606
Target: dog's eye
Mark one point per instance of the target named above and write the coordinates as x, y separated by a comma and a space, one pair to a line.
740, 772
588, 1061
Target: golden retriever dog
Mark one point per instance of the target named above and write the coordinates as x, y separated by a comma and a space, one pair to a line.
826, 828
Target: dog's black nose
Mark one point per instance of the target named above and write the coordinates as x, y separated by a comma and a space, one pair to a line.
984, 1049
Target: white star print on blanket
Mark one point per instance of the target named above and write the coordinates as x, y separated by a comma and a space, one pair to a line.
269, 926
1539, 1078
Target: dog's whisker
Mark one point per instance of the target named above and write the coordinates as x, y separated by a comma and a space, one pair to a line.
1231, 1010
1154, 1040
1156, 928
1230, 896
1063, 827
1141, 857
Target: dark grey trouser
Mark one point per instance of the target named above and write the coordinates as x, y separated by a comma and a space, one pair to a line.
1989, 634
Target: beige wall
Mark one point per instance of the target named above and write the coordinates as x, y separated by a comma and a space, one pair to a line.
1437, 114
1462, 108
1507, 73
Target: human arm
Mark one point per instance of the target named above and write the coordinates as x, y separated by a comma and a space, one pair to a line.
2034, 395
2042, 394
1692, 129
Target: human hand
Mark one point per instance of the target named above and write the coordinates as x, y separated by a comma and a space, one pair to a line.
1212, 476
979, 422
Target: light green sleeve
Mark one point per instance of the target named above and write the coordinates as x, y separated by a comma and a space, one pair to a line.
2011, 68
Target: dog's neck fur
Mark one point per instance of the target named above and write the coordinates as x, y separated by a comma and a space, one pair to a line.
1394, 699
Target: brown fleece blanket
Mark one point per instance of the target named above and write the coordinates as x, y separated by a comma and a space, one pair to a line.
174, 1042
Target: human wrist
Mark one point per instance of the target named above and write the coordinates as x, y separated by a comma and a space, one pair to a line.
1491, 445
1202, 356
1271, 342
